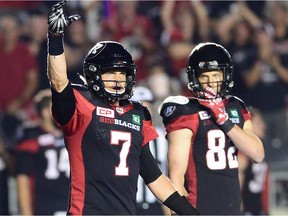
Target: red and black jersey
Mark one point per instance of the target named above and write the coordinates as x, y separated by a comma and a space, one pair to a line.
255, 190
212, 174
104, 144
43, 157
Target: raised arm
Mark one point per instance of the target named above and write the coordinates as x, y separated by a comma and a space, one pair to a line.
166, 15
57, 72
202, 18
57, 68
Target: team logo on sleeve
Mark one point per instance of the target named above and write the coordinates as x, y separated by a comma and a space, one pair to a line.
169, 110
100, 111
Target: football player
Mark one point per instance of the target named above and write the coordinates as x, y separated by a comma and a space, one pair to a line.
205, 131
106, 135
42, 164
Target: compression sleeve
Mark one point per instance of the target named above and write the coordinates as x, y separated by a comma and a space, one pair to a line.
149, 169
63, 105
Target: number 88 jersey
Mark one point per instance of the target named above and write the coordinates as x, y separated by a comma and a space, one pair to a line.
212, 173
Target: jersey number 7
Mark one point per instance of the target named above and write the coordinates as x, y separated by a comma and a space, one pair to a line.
116, 136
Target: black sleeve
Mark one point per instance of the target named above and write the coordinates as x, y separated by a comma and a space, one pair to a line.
63, 105
180, 205
149, 169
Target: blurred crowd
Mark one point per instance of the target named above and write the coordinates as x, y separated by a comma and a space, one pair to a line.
160, 36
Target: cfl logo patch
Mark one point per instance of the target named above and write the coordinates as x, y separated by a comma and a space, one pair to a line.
204, 115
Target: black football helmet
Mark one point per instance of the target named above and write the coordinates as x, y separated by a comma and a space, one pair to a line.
108, 56
209, 57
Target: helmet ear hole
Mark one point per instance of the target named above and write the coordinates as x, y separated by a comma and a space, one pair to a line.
92, 68
96, 88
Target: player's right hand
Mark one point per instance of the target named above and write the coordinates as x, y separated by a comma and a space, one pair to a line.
216, 105
57, 20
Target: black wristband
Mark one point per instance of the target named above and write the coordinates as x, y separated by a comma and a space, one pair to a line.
226, 126
55, 44
180, 204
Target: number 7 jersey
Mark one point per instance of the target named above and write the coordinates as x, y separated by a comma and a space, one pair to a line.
104, 144
211, 178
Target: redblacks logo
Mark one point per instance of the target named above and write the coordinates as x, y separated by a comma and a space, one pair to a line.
100, 111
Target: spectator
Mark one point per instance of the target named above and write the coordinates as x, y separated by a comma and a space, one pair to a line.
276, 23
132, 30
242, 49
267, 81
160, 84
266, 77
14, 7
36, 36
18, 76
152, 10
76, 46
185, 23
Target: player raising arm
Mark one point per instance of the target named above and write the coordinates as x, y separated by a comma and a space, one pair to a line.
106, 135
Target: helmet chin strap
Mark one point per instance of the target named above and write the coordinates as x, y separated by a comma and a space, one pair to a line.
111, 95
112, 92
117, 91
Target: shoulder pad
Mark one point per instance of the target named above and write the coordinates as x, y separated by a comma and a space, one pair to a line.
83, 90
140, 102
79, 86
179, 99
138, 105
232, 97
